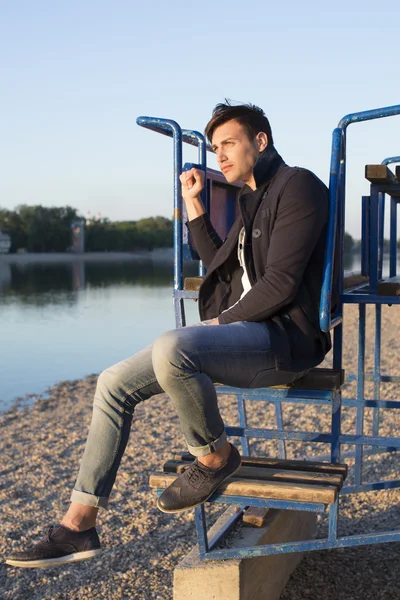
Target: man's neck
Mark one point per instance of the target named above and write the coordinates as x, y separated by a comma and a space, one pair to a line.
251, 182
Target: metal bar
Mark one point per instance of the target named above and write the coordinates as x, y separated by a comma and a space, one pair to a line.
158, 125
367, 487
390, 160
268, 503
377, 368
326, 291
202, 161
393, 404
381, 225
279, 425
370, 299
333, 521
393, 238
360, 391
352, 377
365, 235
336, 421
374, 239
303, 546
338, 347
314, 436
179, 310
226, 528
351, 454
368, 115
201, 528
243, 423
172, 129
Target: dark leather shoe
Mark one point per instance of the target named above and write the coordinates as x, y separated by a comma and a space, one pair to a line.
196, 484
59, 546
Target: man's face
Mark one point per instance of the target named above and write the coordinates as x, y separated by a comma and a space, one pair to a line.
236, 152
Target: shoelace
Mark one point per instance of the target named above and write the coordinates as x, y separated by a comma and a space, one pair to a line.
195, 476
47, 537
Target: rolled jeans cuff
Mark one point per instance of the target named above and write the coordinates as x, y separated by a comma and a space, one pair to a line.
208, 448
89, 499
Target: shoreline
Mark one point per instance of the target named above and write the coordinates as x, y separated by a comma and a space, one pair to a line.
159, 254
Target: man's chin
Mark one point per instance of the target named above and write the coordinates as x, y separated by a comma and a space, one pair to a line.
230, 177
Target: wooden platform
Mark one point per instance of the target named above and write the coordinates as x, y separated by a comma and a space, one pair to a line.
269, 478
389, 287
380, 174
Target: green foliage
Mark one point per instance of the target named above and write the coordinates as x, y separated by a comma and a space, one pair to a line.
41, 229
348, 243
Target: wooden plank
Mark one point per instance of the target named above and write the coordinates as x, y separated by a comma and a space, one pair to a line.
280, 463
265, 474
318, 379
255, 516
380, 174
389, 287
261, 489
354, 280
192, 284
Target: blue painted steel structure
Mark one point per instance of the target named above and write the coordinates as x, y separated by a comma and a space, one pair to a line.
373, 207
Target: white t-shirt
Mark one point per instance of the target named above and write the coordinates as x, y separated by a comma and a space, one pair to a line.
245, 277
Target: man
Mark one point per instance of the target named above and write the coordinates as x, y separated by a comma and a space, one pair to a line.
259, 327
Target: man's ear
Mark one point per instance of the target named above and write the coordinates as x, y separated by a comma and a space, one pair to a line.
262, 141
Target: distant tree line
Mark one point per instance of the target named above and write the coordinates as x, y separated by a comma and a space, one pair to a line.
42, 229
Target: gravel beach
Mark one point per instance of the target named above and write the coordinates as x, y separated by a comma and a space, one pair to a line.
41, 447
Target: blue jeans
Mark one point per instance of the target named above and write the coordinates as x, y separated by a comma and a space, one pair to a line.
185, 363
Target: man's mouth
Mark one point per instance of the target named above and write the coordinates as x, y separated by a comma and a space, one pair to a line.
225, 169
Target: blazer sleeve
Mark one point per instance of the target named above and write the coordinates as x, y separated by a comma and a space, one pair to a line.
301, 216
204, 238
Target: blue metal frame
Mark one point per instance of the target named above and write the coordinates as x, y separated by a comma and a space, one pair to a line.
373, 207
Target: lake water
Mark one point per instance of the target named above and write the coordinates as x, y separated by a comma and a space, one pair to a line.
67, 320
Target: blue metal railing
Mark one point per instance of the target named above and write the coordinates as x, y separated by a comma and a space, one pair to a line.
336, 201
372, 229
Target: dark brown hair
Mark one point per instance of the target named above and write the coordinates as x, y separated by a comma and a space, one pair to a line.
250, 116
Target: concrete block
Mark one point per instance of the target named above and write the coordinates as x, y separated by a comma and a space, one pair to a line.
261, 578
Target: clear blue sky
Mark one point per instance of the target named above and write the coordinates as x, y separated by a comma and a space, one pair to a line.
75, 75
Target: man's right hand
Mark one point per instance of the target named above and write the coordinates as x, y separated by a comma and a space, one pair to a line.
192, 184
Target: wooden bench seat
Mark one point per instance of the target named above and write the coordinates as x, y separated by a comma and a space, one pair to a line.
269, 478
389, 287
316, 379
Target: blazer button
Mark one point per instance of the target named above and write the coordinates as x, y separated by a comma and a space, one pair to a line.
256, 233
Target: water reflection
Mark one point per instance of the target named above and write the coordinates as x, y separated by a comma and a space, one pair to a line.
52, 283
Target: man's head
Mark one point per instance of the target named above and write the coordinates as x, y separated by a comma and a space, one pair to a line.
238, 135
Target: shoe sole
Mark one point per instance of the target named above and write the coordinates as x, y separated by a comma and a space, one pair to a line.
179, 510
52, 562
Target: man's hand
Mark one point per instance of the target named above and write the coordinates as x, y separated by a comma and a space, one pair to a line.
214, 322
192, 184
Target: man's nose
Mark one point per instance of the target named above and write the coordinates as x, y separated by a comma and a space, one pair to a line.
221, 156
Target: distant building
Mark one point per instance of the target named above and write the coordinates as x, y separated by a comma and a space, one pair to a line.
78, 236
5, 243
